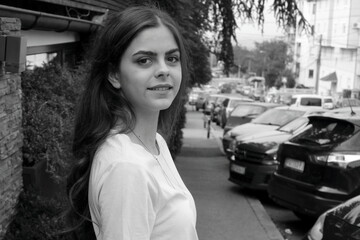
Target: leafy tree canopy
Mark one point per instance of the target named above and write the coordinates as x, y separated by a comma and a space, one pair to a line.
223, 15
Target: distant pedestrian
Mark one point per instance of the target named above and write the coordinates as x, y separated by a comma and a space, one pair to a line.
124, 184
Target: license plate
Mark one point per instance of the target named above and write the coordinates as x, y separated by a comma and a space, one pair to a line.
237, 169
294, 164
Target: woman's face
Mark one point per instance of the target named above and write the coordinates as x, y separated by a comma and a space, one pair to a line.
150, 70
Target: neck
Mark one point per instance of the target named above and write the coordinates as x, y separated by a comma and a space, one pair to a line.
145, 129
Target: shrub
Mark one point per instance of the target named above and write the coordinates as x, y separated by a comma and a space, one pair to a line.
37, 218
48, 103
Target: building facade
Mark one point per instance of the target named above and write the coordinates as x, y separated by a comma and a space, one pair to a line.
327, 56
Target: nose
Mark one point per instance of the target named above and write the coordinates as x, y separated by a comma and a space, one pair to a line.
163, 70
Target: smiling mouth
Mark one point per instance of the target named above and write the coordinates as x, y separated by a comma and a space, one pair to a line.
160, 88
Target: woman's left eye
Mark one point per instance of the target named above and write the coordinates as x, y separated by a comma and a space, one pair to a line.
173, 59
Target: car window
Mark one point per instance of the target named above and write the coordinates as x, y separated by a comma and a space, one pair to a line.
322, 131
294, 124
277, 117
293, 101
328, 100
310, 102
246, 110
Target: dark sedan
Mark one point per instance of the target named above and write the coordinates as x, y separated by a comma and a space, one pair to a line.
246, 111
254, 159
268, 120
320, 167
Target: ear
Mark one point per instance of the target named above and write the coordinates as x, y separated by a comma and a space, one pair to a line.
114, 80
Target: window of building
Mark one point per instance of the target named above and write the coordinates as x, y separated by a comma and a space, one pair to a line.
311, 73
314, 8
297, 68
68, 53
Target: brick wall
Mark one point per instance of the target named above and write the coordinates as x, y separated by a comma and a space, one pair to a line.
10, 134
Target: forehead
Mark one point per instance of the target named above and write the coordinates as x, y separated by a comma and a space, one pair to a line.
153, 39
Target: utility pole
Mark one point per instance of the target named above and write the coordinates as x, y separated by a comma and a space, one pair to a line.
318, 63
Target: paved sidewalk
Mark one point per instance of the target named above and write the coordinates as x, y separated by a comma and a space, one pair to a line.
223, 211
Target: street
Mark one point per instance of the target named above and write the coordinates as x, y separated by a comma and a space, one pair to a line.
205, 172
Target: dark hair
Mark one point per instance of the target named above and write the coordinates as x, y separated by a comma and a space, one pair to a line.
102, 105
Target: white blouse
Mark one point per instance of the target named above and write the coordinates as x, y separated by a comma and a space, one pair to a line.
136, 195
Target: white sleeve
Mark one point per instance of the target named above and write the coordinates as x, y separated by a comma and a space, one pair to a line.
127, 202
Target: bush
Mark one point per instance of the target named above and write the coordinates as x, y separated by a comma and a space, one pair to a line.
37, 218
48, 103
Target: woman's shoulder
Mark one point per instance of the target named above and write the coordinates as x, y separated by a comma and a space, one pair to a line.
115, 148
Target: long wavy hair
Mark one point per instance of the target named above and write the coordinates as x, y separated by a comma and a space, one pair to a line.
102, 106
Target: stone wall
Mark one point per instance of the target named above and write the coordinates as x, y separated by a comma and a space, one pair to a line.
11, 137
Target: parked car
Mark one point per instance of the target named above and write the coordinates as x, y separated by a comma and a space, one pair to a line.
211, 103
246, 111
254, 158
269, 120
227, 105
320, 167
312, 100
200, 101
339, 223
193, 95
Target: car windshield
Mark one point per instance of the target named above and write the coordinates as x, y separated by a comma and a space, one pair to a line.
247, 110
278, 117
322, 131
295, 124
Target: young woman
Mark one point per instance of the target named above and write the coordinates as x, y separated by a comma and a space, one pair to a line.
125, 184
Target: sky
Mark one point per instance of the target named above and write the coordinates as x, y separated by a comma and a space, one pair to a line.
248, 33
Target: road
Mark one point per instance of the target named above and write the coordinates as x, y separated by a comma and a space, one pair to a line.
291, 227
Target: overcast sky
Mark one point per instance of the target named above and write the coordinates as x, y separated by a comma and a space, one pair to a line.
248, 33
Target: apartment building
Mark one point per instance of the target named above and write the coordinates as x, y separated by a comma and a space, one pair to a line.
327, 57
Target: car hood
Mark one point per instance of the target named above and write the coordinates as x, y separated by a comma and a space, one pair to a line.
266, 142
248, 129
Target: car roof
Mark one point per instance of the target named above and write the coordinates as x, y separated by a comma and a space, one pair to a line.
265, 104
348, 114
305, 109
310, 95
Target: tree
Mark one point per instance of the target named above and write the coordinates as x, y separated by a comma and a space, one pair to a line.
224, 12
272, 58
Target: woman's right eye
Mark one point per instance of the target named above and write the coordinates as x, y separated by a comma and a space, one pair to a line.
144, 61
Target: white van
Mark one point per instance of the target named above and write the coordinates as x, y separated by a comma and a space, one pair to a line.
313, 100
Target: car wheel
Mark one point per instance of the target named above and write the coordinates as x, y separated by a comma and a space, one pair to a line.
197, 109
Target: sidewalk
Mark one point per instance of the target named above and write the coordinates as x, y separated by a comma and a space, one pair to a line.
223, 212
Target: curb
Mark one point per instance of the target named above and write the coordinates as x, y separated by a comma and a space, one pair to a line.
264, 219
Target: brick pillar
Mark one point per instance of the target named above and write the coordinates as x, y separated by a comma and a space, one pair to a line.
11, 137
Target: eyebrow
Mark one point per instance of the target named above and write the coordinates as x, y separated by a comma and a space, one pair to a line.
150, 53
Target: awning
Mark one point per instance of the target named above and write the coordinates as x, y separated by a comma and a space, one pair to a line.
330, 77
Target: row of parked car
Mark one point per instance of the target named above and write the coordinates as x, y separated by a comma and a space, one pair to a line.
307, 159
305, 154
